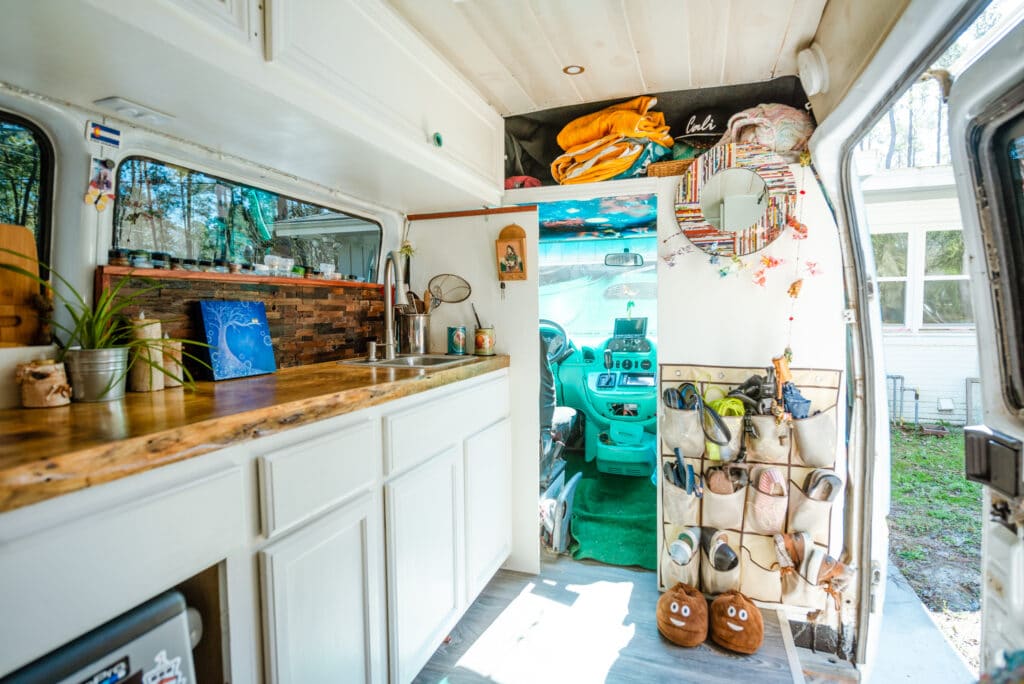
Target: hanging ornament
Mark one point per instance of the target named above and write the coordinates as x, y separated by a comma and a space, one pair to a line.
805, 158
794, 288
760, 277
770, 261
799, 229
812, 268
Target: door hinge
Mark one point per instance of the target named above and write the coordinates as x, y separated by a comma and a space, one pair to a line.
876, 581
849, 316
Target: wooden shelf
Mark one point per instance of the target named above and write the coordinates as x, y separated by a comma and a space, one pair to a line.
104, 274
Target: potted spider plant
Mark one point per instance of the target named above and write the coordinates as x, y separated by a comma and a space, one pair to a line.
98, 346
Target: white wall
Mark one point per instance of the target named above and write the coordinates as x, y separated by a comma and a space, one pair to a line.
704, 318
465, 246
936, 364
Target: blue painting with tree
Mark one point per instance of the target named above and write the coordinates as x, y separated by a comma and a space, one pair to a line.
239, 338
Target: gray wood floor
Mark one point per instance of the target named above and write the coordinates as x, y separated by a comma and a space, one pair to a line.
587, 622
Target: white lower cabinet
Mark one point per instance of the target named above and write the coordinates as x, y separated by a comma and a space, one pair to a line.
324, 598
488, 472
424, 514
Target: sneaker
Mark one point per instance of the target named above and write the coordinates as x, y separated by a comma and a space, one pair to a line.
771, 482
683, 549
717, 549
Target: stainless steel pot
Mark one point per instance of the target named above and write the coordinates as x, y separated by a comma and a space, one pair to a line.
414, 332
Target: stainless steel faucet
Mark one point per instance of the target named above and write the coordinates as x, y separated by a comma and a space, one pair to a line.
393, 280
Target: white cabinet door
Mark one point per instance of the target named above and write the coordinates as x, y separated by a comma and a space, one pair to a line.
324, 598
488, 478
424, 560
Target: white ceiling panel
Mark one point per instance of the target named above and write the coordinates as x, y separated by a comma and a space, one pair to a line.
513, 51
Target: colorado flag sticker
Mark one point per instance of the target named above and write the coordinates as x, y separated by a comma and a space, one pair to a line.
103, 134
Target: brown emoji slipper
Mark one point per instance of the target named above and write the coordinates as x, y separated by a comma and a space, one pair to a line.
683, 615
736, 623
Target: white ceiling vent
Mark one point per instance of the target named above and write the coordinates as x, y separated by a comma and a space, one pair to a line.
133, 111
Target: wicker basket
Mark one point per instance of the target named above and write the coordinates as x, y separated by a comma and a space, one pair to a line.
674, 167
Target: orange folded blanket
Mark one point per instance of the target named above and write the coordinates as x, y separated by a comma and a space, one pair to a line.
630, 119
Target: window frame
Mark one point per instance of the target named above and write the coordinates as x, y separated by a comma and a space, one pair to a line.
47, 170
189, 166
915, 278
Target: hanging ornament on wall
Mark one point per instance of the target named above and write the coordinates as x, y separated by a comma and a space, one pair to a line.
794, 288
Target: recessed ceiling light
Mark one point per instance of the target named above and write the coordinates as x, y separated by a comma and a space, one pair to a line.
133, 111
573, 70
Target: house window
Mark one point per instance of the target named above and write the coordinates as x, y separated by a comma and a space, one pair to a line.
193, 215
26, 171
922, 278
891, 261
946, 296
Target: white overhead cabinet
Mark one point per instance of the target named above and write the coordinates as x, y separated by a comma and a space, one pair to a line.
343, 93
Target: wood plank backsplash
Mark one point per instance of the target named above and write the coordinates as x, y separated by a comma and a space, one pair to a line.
309, 322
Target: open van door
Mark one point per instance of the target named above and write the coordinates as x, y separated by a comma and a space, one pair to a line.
986, 129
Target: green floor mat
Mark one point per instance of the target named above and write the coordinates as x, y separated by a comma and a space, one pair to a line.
614, 517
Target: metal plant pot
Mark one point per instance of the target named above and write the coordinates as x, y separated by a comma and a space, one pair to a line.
97, 374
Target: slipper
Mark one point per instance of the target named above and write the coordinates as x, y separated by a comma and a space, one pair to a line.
682, 615
823, 485
736, 623
790, 548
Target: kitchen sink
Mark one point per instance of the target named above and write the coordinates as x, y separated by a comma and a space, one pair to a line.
422, 361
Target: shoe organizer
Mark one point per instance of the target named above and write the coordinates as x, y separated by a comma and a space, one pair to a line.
759, 581
714, 581
723, 511
769, 442
809, 515
679, 507
727, 452
798, 591
816, 439
766, 512
681, 429
671, 571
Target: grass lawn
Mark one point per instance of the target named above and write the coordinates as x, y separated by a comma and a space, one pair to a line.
931, 498
935, 531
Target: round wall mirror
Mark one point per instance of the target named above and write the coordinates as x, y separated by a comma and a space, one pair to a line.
735, 199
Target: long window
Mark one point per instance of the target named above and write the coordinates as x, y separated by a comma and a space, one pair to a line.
26, 169
193, 215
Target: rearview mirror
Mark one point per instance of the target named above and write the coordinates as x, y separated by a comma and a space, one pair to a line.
623, 259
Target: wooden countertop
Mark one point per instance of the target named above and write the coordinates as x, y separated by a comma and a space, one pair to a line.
46, 452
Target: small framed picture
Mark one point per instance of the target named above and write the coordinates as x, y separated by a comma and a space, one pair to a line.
239, 338
510, 252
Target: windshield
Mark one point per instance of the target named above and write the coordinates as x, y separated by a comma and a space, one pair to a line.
583, 295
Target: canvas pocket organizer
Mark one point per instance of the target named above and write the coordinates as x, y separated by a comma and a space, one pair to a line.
797, 591
730, 451
714, 581
816, 439
809, 515
769, 441
766, 511
678, 506
672, 571
759, 582
723, 511
682, 429
767, 444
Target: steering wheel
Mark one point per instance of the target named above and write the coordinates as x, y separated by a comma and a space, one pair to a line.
557, 340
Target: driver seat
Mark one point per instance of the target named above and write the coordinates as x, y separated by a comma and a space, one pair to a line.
558, 425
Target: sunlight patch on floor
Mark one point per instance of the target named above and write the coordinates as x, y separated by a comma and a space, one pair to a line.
552, 633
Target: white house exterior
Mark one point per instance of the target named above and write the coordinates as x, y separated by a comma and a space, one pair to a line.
933, 353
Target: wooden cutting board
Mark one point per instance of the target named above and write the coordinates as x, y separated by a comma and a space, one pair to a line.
19, 321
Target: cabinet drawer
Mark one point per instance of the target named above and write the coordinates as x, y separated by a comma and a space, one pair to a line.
303, 479
418, 433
